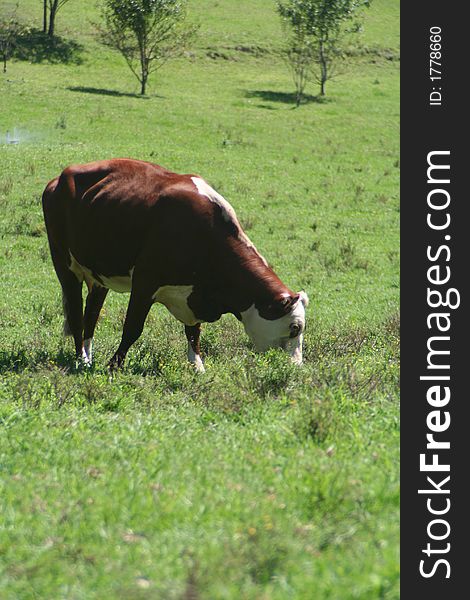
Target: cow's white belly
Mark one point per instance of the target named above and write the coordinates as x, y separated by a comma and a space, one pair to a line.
175, 298
118, 283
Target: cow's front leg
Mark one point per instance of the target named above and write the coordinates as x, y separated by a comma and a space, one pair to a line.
137, 311
94, 303
193, 333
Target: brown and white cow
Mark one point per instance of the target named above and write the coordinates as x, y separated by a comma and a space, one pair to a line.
132, 226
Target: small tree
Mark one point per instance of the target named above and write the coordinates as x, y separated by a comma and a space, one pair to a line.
44, 16
146, 32
50, 8
10, 31
300, 56
316, 27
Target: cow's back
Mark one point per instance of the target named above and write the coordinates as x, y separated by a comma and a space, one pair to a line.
107, 214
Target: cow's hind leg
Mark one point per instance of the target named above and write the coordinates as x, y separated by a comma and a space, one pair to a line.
94, 303
72, 302
137, 311
193, 334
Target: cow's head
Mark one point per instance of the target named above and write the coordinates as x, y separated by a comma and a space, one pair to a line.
279, 324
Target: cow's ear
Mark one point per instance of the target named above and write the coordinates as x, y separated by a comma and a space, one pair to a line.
288, 303
276, 309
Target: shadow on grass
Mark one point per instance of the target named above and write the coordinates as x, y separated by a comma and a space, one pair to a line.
18, 361
26, 360
105, 92
37, 47
282, 97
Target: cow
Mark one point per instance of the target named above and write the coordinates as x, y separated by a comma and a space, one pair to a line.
133, 226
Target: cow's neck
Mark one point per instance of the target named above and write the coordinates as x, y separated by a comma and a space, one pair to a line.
238, 278
248, 281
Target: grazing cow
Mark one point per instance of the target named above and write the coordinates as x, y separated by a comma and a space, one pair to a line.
132, 226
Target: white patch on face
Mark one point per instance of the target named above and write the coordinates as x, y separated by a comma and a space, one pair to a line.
175, 298
118, 283
294, 348
195, 360
266, 333
227, 211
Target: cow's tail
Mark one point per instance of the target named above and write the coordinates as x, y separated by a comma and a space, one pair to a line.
53, 226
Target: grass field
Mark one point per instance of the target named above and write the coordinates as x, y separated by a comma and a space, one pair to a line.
257, 480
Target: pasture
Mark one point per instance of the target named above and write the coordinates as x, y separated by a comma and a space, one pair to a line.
257, 480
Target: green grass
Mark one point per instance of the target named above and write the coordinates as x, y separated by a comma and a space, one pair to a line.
257, 480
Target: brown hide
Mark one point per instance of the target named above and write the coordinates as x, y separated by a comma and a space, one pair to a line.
117, 215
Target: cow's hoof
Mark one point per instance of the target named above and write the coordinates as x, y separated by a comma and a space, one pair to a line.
197, 364
115, 364
83, 364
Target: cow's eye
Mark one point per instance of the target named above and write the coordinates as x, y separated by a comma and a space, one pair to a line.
295, 329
